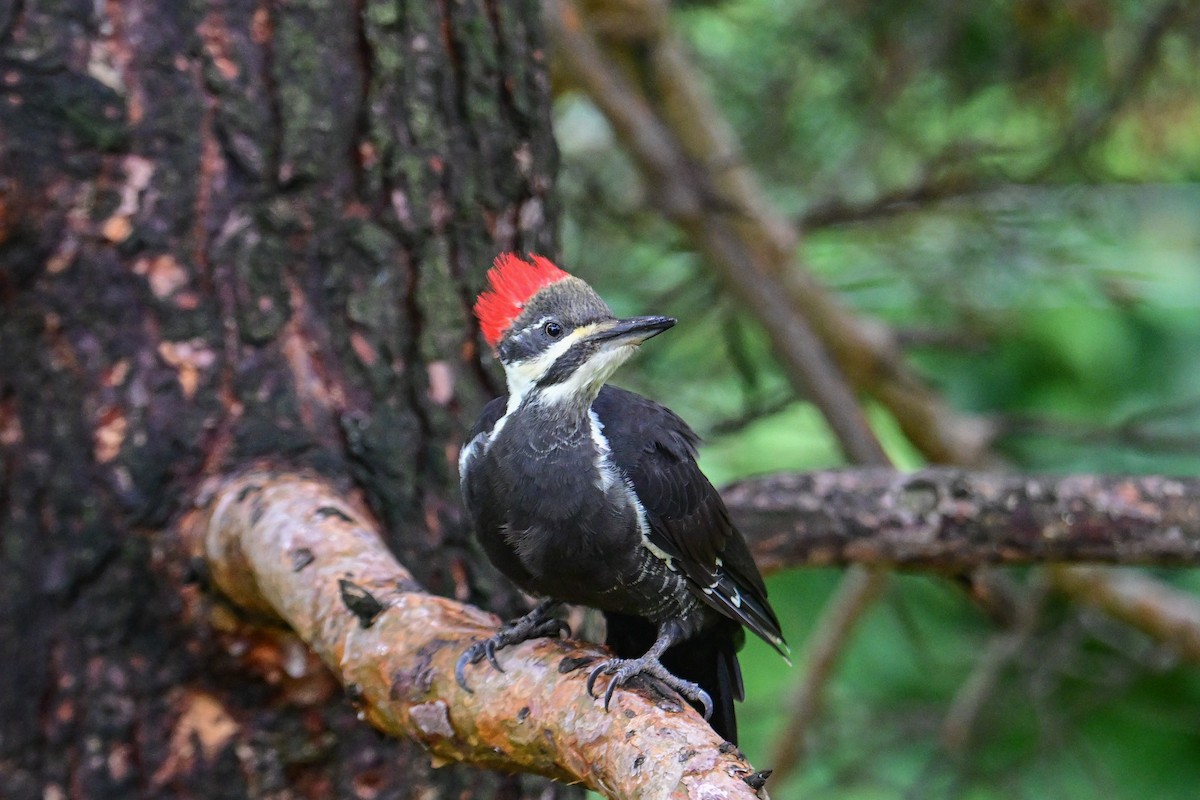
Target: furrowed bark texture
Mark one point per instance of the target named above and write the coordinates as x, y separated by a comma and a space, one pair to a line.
285, 545
228, 230
956, 520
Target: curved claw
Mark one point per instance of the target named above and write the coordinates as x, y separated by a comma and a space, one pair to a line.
489, 649
461, 666
623, 670
591, 680
533, 625
608, 693
618, 679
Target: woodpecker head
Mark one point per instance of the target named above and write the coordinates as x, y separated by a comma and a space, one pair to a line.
558, 341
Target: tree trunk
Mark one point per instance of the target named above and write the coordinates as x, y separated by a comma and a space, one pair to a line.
236, 231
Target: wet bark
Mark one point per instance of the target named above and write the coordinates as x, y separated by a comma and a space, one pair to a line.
232, 231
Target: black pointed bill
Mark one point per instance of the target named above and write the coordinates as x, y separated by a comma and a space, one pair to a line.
592, 354
634, 330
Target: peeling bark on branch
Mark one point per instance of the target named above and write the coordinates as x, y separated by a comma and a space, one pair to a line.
291, 547
955, 520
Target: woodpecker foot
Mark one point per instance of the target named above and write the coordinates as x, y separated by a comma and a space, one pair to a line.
534, 625
648, 666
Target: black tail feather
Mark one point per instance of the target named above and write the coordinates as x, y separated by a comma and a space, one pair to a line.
709, 659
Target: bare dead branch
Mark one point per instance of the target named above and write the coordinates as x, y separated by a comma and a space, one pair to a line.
956, 520
292, 547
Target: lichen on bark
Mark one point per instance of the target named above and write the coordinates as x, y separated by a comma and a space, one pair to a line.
230, 231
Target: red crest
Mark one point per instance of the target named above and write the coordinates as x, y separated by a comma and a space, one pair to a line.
512, 281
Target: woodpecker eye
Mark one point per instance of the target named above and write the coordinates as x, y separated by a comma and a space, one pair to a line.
553, 329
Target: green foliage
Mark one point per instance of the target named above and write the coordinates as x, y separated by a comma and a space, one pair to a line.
1054, 264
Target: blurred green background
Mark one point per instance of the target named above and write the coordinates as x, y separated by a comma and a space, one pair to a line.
1047, 278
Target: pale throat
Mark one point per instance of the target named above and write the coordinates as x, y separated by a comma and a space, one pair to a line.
577, 392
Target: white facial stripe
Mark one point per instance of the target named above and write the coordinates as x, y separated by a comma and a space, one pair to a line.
589, 376
522, 375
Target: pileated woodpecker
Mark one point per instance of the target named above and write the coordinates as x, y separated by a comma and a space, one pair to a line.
588, 494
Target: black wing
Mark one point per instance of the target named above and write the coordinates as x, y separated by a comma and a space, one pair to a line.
687, 518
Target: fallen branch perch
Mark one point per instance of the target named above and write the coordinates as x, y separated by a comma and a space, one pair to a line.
290, 546
955, 520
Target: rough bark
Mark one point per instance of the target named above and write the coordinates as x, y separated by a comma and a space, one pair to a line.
234, 229
955, 520
290, 547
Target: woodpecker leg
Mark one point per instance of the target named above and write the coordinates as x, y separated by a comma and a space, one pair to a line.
625, 669
537, 623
